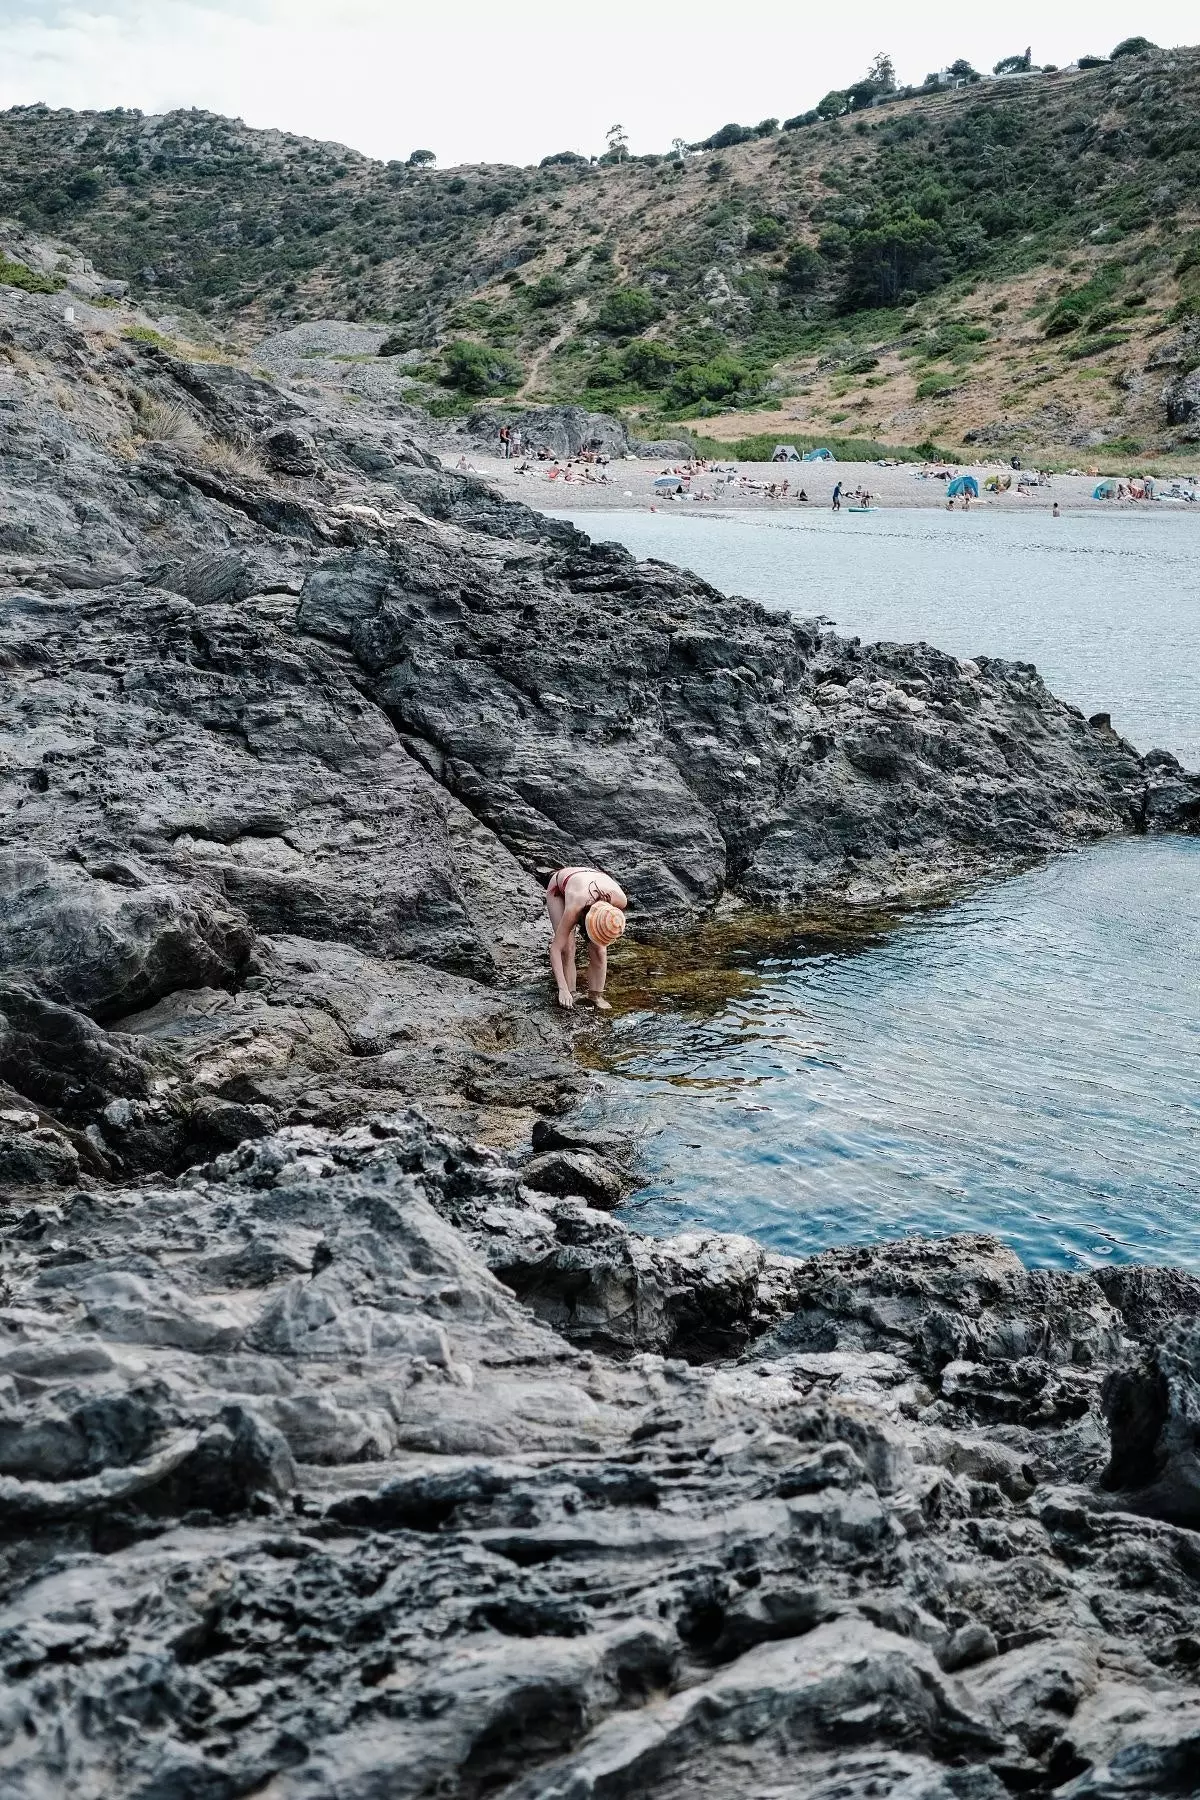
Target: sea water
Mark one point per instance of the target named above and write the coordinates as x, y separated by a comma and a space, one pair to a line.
1022, 1061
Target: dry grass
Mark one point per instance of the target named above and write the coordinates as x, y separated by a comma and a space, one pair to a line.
239, 461
165, 422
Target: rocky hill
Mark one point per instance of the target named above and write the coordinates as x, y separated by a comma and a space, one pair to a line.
342, 1456
1013, 263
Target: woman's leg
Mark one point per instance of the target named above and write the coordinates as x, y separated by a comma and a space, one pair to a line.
556, 906
597, 975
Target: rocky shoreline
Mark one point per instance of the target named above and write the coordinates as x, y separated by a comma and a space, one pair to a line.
340, 1455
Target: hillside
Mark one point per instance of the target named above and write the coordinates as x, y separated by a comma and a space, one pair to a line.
1014, 263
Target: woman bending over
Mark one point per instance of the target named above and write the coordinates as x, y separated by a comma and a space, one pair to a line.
590, 896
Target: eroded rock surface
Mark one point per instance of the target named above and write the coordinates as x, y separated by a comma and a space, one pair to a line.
298, 1496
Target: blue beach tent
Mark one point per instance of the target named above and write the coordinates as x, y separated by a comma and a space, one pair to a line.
963, 484
819, 456
1104, 490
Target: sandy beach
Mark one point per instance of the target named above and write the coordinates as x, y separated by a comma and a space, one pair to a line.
630, 485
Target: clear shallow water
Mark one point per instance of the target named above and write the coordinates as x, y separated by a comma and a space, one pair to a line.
1106, 605
1024, 1061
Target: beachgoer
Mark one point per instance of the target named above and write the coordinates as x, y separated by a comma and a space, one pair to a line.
1054, 512
593, 899
802, 496
505, 442
837, 497
514, 439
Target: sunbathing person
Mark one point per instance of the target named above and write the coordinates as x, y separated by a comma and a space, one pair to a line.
595, 899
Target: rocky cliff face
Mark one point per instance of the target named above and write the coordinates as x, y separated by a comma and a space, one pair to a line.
339, 1456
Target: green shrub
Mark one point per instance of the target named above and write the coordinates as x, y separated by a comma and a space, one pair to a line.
19, 275
1095, 346
606, 372
548, 290
901, 255
1132, 46
716, 379
764, 234
627, 311
649, 364
1064, 318
802, 270
478, 368
934, 387
145, 334
726, 137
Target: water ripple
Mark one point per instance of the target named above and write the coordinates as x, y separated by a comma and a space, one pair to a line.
1023, 1062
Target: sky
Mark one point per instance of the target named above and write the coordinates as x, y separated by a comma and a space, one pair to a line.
478, 81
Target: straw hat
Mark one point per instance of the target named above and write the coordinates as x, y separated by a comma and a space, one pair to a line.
604, 924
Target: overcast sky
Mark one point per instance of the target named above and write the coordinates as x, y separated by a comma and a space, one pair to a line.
478, 80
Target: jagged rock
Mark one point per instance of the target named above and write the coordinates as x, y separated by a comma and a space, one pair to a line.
290, 451
1153, 1413
283, 1415
572, 1171
563, 431
1181, 397
33, 1154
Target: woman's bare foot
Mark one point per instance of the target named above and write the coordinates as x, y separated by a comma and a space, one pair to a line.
600, 1003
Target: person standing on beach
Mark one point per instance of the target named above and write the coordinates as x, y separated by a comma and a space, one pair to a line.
590, 897
505, 442
837, 497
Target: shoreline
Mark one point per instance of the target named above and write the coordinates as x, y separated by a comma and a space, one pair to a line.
630, 487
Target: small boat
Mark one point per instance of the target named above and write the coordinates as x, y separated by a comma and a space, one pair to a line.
860, 509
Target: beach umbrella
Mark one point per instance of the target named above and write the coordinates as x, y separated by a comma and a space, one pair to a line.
667, 484
963, 484
1104, 490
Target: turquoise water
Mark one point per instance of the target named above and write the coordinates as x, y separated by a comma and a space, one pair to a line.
1023, 1061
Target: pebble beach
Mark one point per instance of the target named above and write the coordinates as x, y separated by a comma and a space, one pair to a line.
578, 488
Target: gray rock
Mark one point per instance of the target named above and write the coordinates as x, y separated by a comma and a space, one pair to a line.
290, 451
969, 1645
579, 1172
283, 1414
562, 431
1181, 397
1153, 1413
670, 450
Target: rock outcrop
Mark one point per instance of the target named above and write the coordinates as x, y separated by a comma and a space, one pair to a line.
293, 1481
297, 723
341, 1456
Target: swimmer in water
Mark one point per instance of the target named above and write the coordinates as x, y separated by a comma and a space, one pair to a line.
593, 899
